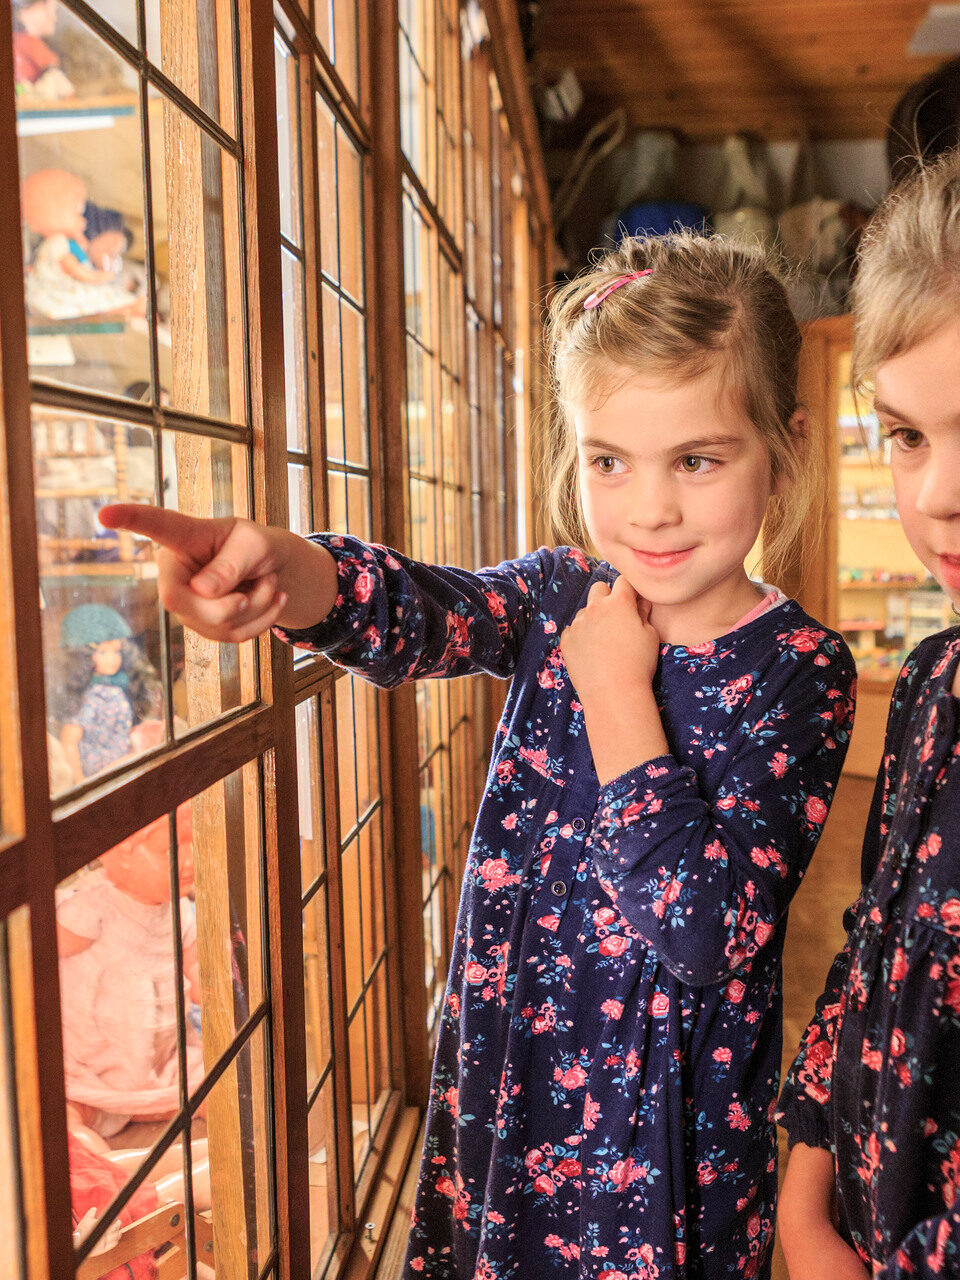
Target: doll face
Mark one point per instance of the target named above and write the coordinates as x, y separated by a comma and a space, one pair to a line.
53, 203
140, 865
108, 657
39, 19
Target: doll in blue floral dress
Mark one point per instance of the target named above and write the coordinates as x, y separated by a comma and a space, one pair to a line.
608, 1053
872, 1102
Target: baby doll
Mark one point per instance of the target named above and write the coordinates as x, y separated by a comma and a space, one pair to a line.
108, 686
62, 282
36, 68
119, 986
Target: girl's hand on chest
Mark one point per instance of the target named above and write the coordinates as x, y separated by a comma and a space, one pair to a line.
610, 648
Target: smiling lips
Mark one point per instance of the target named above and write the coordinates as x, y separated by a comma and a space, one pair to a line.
663, 559
950, 570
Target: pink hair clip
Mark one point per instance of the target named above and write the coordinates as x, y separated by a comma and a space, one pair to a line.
596, 298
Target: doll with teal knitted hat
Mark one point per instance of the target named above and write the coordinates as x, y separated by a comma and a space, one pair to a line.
107, 688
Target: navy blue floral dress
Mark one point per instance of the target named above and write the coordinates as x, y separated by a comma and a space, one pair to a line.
608, 1056
877, 1077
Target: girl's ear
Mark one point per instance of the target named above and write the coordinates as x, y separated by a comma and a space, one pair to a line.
799, 428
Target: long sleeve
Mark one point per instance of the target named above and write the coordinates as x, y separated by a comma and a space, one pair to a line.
931, 1249
396, 619
803, 1106
704, 880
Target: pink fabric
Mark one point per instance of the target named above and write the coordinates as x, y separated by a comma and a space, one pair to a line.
119, 1004
769, 600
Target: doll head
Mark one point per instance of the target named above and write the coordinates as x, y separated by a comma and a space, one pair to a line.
53, 201
140, 865
36, 17
97, 643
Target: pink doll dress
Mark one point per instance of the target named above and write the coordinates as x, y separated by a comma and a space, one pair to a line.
119, 1005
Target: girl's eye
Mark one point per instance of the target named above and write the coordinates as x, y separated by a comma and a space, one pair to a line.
695, 464
906, 438
606, 465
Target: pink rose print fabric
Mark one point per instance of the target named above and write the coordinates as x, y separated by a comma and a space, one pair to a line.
607, 1063
877, 1076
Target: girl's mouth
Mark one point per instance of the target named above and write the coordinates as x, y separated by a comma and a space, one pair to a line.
665, 559
950, 571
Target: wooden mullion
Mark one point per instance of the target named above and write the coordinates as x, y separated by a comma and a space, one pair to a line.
45, 1177
402, 835
156, 787
281, 827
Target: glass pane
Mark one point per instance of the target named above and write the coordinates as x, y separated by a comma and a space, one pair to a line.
206, 477
225, 824
299, 499
198, 257
236, 1182
345, 37
349, 188
332, 375
371, 894
101, 619
316, 977
193, 45
346, 758
365, 700
887, 601
11, 773
358, 506
12, 1261
356, 427
294, 350
78, 121
124, 989
337, 498
353, 919
419, 411
288, 138
327, 175
310, 793
324, 1212
359, 1092
377, 1016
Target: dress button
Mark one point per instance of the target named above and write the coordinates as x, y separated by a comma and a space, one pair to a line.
578, 824
558, 889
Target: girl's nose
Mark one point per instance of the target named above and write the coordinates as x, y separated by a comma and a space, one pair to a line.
653, 503
939, 495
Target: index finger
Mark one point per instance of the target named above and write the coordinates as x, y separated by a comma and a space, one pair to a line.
186, 535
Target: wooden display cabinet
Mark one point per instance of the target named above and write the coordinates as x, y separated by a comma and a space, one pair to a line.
862, 578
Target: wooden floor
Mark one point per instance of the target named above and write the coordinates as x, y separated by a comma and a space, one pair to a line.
814, 936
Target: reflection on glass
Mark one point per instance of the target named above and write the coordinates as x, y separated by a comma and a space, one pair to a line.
371, 891
299, 499
193, 46
206, 477
354, 358
349, 199
198, 253
324, 1210
78, 122
101, 621
327, 175
227, 825
237, 1234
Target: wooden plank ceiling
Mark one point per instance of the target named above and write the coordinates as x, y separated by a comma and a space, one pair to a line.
774, 68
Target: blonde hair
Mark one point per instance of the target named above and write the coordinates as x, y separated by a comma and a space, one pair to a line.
908, 282
707, 299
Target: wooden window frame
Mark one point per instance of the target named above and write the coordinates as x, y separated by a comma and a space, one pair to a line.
49, 841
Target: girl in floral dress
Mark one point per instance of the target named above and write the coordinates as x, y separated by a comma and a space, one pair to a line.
607, 1061
872, 1103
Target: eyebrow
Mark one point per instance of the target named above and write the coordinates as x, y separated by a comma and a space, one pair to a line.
688, 446
880, 406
